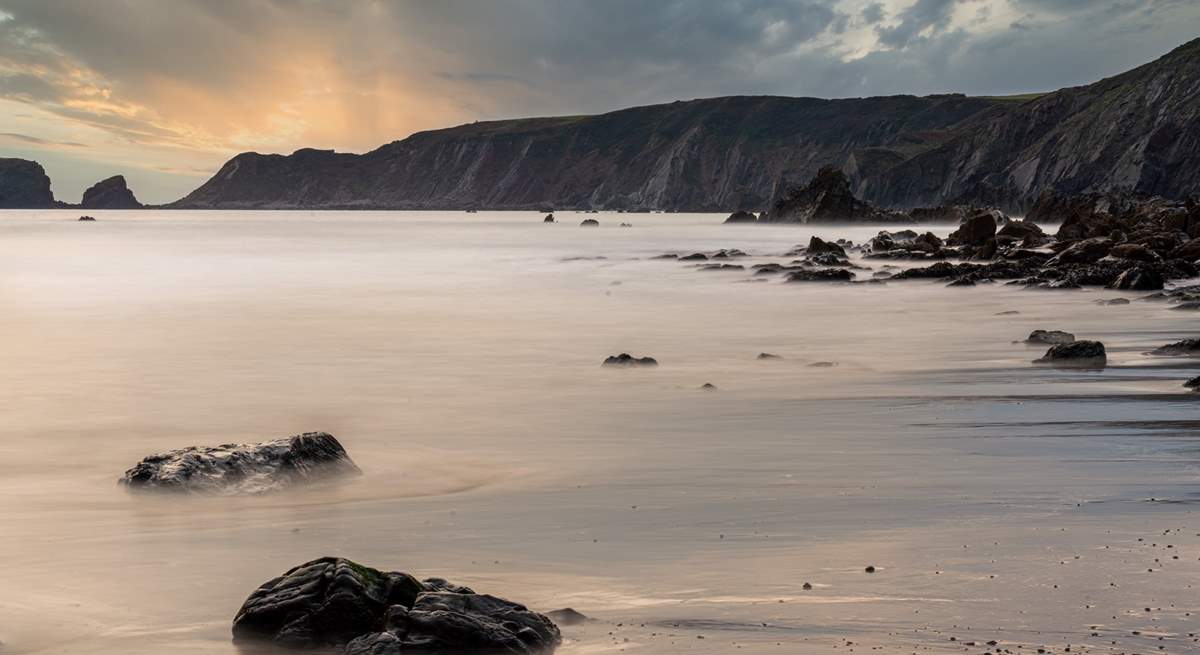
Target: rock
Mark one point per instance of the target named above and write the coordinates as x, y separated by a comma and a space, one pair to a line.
807, 586
111, 193
1086, 251
816, 246
961, 282
1135, 252
333, 602
1189, 347
625, 359
708, 386
821, 275
976, 230
768, 356
24, 185
590, 222
625, 225
741, 217
244, 468
1113, 301
870, 569
1189, 251
1025, 231
1193, 383
1076, 353
826, 198
567, 616
825, 259
1049, 337
822, 365
87, 218
1138, 278
550, 219
694, 257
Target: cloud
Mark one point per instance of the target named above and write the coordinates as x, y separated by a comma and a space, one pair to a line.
37, 141
178, 86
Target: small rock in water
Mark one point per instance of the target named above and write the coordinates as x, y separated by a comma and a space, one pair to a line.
708, 386
821, 275
807, 586
1193, 383
87, 218
823, 364
1076, 353
1049, 337
1190, 347
1113, 301
742, 216
870, 569
334, 602
567, 616
549, 218
1009, 312
590, 222
768, 356
625, 359
244, 468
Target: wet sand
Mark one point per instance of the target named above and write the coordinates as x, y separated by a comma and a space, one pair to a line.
457, 358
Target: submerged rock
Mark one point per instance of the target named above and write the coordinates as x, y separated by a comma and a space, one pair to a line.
590, 222
567, 616
244, 468
1077, 353
1189, 347
821, 275
625, 359
87, 218
334, 602
742, 217
1049, 337
708, 386
768, 356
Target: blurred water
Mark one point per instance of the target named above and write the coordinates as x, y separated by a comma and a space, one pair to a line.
456, 356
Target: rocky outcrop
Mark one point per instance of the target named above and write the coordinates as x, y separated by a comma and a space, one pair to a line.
1049, 337
336, 603
976, 229
827, 198
111, 193
243, 468
1188, 347
24, 185
625, 359
1137, 131
741, 216
1075, 353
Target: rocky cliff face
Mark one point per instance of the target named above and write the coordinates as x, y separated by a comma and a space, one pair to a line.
1137, 131
112, 193
699, 155
24, 185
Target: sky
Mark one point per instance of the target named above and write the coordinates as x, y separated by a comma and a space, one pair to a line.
165, 91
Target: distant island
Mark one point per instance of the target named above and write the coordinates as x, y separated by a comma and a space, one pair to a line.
1137, 132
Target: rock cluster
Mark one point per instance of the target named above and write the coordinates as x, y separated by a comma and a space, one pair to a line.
336, 603
243, 468
625, 359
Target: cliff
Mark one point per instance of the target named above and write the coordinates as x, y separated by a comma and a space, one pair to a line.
24, 185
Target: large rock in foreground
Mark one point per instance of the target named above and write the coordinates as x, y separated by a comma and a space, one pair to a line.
244, 468
112, 193
334, 602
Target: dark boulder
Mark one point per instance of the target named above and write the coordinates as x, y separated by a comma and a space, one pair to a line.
549, 218
742, 217
768, 356
590, 222
1086, 251
694, 257
1026, 232
1188, 347
1049, 337
826, 198
1193, 383
111, 193
976, 229
625, 359
1076, 353
817, 245
333, 602
821, 275
1138, 278
1134, 252
87, 218
244, 468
